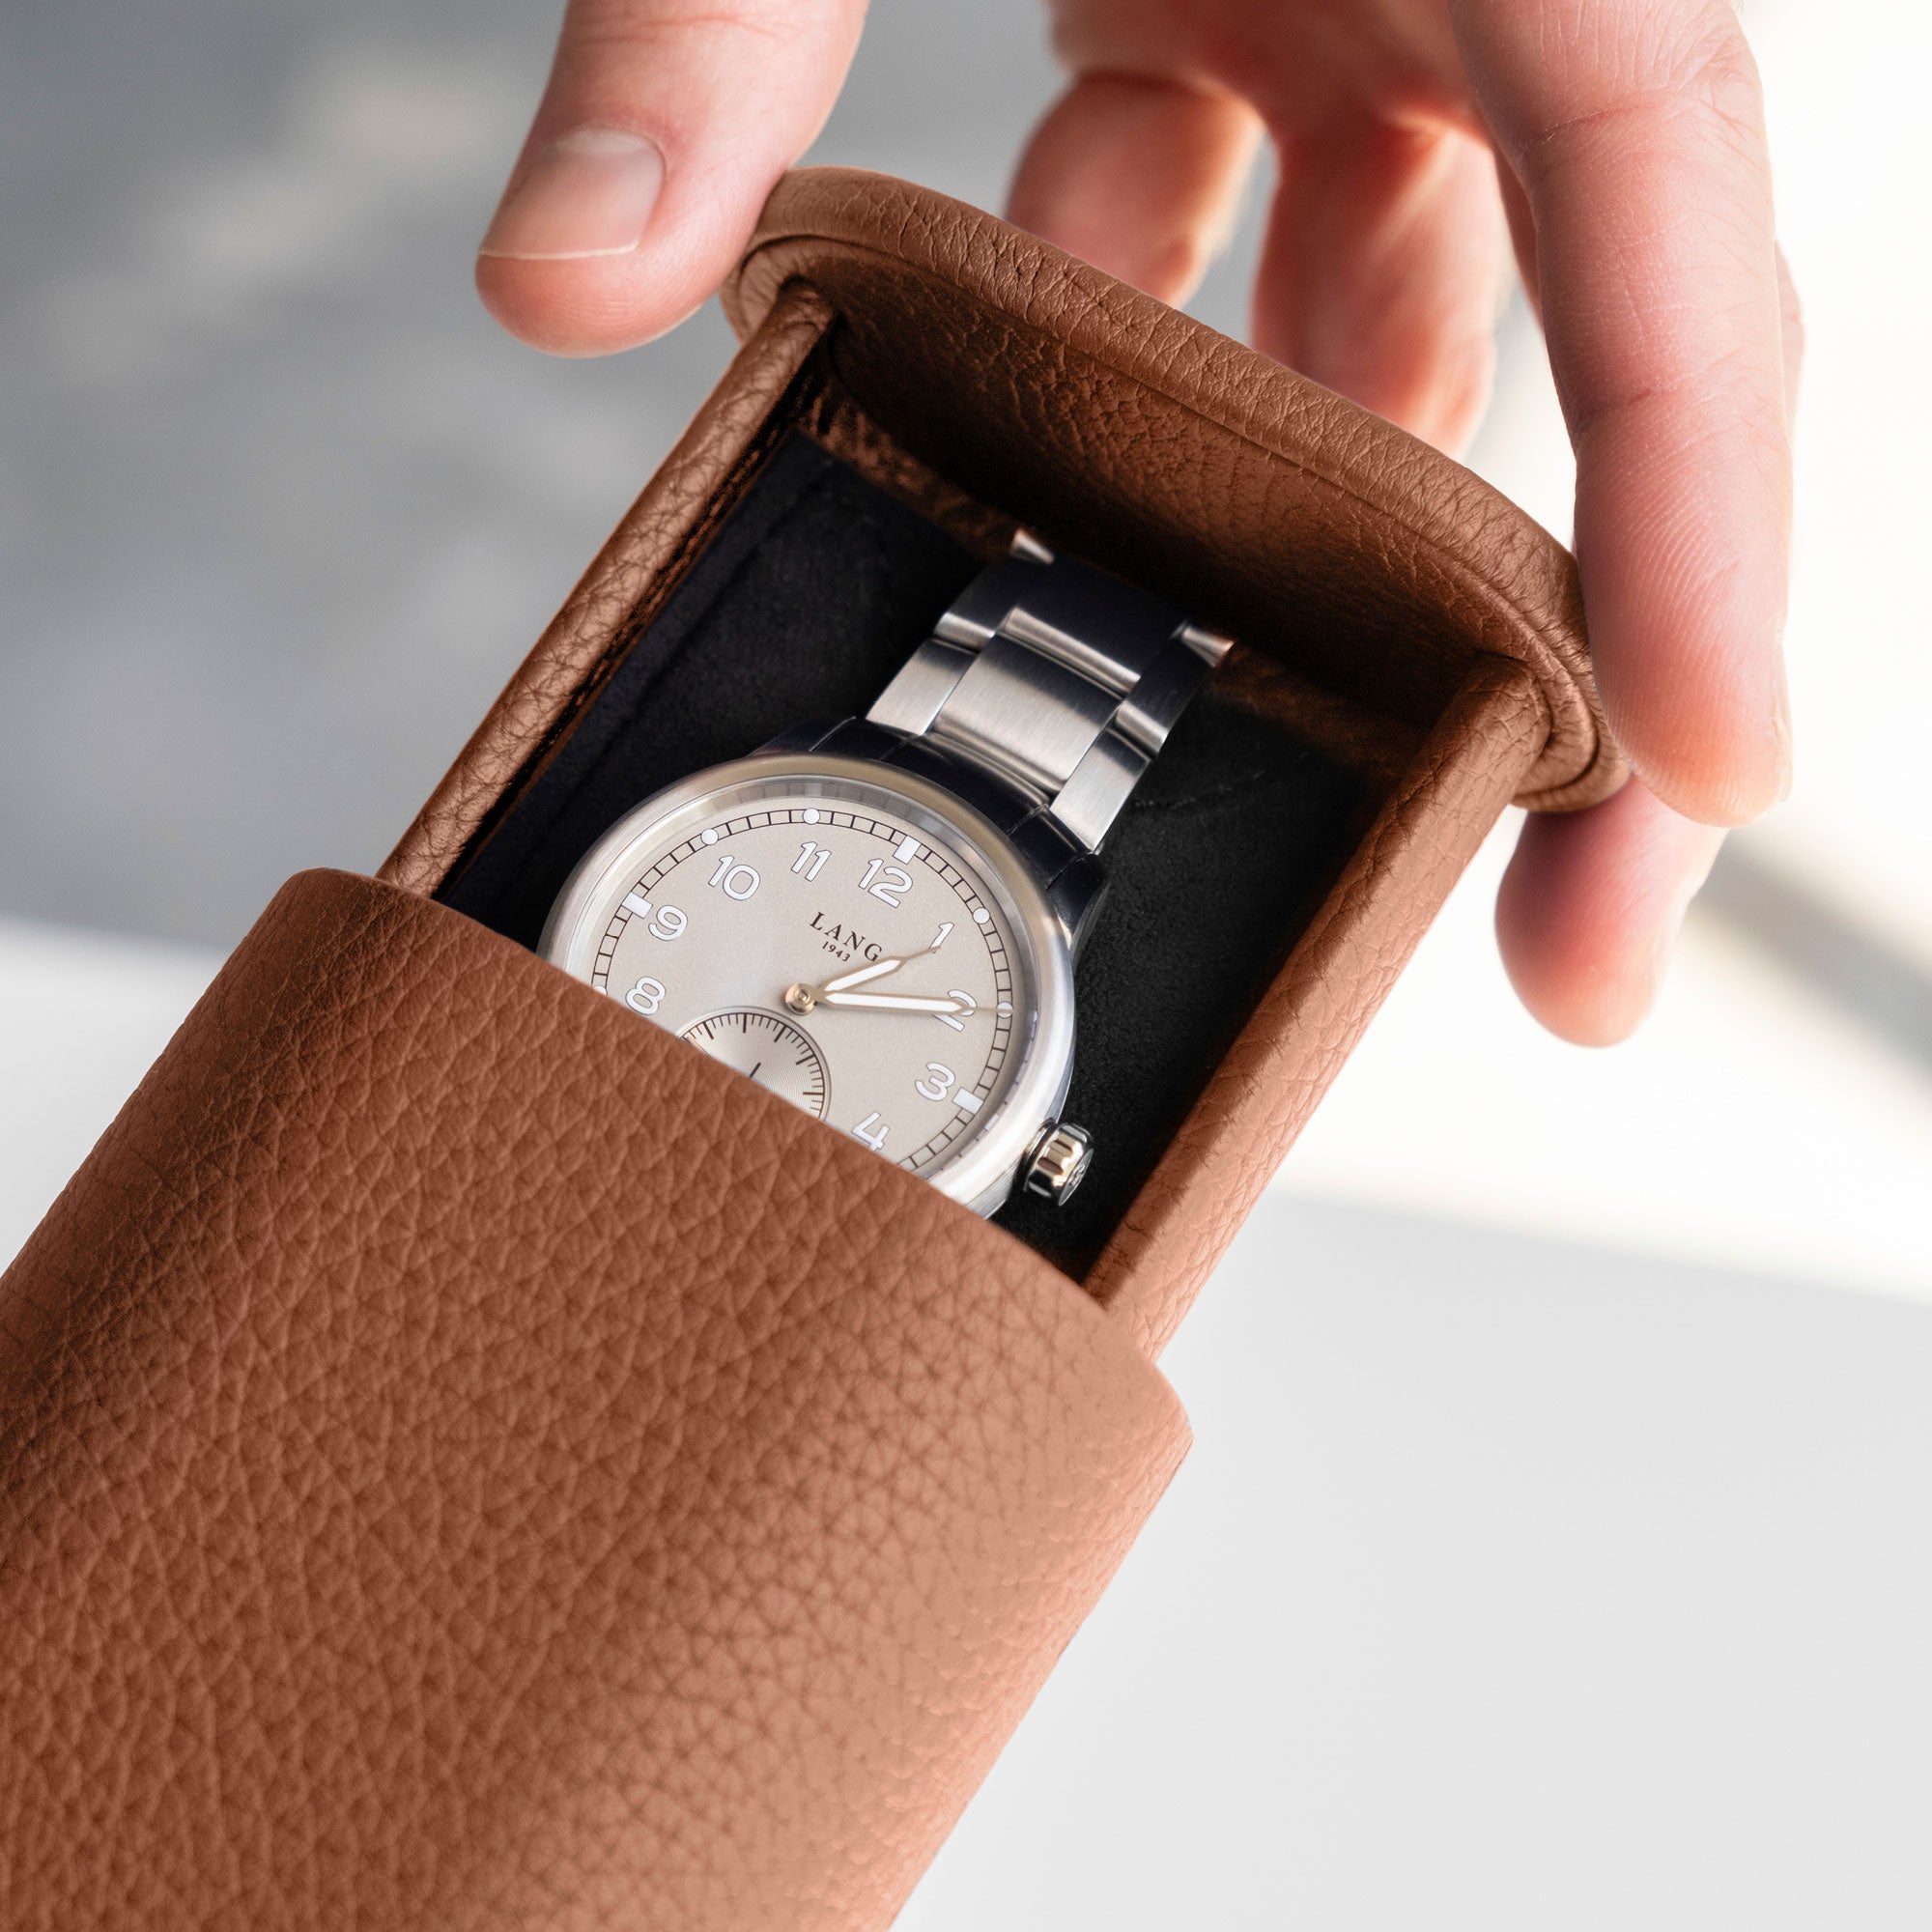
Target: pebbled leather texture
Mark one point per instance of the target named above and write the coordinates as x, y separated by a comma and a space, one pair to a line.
468, 1461
1131, 434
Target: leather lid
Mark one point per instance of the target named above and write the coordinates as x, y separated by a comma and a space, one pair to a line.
953, 314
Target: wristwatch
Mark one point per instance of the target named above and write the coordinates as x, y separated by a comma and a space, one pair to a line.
877, 920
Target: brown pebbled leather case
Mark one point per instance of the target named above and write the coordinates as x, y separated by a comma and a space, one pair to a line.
468, 1461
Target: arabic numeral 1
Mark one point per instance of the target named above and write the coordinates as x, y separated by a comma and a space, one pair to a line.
871, 1131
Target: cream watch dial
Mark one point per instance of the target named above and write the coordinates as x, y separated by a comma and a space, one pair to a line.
838, 942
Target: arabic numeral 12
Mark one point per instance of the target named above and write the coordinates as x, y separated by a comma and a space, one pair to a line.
889, 883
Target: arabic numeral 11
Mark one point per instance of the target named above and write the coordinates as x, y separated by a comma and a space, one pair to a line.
811, 858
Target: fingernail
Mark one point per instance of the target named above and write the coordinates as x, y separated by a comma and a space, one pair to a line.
1664, 945
590, 193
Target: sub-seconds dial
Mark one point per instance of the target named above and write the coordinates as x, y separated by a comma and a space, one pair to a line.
776, 1052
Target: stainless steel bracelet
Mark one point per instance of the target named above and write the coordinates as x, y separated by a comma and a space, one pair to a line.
1059, 681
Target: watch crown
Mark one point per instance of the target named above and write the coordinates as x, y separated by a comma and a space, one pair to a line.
1058, 1161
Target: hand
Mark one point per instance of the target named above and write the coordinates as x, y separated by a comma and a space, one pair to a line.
1618, 143
877, 1003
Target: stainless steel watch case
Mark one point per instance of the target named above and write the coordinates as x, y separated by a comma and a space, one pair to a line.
1047, 891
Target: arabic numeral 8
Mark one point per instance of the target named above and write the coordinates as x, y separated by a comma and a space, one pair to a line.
645, 997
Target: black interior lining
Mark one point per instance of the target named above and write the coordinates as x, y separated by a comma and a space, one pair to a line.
810, 594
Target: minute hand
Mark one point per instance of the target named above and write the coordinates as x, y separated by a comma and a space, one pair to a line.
890, 1003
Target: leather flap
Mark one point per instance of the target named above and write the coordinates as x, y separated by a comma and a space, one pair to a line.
1268, 502
466, 1459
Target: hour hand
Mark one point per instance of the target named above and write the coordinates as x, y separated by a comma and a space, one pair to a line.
858, 977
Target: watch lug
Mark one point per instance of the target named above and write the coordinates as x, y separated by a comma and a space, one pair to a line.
1075, 899
798, 738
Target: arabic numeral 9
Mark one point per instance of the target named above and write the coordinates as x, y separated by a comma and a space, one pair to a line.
667, 923
645, 997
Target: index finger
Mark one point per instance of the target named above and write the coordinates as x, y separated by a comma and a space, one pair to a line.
1636, 130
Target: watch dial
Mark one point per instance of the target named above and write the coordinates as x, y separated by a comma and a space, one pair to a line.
762, 921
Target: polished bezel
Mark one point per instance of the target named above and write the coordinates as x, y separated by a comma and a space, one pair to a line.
980, 1172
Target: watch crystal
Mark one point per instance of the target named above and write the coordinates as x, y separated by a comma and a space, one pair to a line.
840, 946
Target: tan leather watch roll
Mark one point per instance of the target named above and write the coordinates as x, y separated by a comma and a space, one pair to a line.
471, 1458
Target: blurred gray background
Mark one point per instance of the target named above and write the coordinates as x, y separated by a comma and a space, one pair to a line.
280, 508
1554, 1553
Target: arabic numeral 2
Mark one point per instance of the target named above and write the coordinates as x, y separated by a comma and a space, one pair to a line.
871, 1132
968, 1005
890, 883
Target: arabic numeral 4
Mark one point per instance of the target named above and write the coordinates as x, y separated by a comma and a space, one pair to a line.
872, 1131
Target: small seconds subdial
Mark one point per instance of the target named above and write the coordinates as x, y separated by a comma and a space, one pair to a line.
776, 1052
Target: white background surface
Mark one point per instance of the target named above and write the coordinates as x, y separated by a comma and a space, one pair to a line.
1556, 1549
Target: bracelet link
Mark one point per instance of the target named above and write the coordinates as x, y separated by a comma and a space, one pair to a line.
1061, 680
